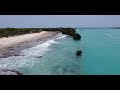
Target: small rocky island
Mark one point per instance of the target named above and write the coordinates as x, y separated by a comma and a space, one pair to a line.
78, 53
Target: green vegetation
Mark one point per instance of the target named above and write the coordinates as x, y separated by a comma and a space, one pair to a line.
67, 31
6, 32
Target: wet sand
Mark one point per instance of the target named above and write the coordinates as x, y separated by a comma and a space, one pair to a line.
12, 46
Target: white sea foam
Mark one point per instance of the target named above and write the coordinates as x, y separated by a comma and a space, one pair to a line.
61, 36
28, 57
38, 50
16, 62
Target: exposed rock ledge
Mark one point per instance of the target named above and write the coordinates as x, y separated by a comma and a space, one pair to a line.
9, 72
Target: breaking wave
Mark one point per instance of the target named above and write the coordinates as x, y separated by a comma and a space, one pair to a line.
28, 57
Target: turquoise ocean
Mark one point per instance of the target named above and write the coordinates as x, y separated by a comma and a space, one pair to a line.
101, 55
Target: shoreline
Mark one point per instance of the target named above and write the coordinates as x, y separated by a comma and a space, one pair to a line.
12, 46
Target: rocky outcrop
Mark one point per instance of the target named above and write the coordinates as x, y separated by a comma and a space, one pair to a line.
78, 53
71, 32
68, 31
76, 36
9, 72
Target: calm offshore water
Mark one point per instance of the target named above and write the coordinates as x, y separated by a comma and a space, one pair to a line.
101, 55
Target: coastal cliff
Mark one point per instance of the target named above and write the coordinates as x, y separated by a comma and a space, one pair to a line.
7, 32
67, 31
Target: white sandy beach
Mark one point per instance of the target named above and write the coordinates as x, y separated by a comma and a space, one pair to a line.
12, 42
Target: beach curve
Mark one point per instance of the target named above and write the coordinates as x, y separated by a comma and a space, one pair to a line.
12, 46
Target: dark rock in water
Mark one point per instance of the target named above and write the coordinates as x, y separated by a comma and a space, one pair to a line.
39, 56
76, 36
78, 53
9, 72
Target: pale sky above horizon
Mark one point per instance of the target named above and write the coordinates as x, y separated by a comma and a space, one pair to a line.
59, 21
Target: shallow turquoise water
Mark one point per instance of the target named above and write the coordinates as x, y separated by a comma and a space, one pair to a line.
60, 59
101, 55
101, 51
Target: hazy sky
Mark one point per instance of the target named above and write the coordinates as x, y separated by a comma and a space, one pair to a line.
59, 21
